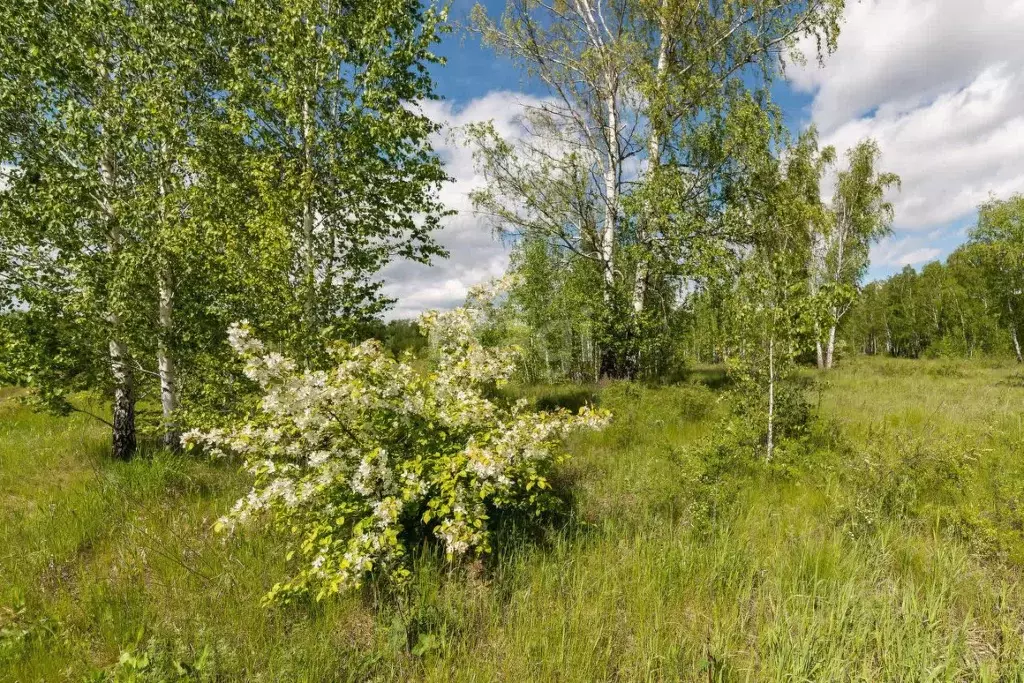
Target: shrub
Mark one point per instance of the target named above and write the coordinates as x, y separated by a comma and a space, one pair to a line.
362, 461
750, 409
904, 479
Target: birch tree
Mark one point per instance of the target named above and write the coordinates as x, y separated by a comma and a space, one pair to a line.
71, 220
181, 122
772, 289
326, 95
628, 162
861, 215
1000, 234
111, 117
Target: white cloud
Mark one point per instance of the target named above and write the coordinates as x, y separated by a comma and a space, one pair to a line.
951, 152
919, 256
897, 54
895, 252
476, 254
940, 85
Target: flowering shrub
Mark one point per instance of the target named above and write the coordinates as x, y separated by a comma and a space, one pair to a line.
362, 460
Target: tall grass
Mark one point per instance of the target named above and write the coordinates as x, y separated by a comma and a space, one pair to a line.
889, 549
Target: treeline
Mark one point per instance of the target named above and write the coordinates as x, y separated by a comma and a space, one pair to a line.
969, 306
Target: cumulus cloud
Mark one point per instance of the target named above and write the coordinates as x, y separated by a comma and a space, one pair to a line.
905, 251
895, 55
477, 255
940, 85
951, 152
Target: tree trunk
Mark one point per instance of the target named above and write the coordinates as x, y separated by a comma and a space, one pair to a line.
124, 400
771, 395
120, 370
640, 287
610, 360
611, 189
164, 358
309, 300
653, 161
816, 271
1013, 333
830, 351
1016, 342
840, 237
165, 362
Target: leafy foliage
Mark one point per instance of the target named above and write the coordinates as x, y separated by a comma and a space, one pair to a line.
169, 167
957, 309
682, 86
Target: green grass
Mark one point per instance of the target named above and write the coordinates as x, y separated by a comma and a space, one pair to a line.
889, 548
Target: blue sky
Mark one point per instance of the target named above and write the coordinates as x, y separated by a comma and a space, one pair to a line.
472, 70
938, 83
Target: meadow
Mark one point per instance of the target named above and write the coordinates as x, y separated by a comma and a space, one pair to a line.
885, 544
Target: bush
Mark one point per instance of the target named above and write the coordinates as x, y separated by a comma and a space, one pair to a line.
905, 480
792, 411
362, 461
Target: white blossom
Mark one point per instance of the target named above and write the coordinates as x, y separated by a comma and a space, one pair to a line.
339, 456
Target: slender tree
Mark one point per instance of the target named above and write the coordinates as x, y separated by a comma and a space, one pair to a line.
1000, 236
111, 115
861, 215
72, 217
772, 293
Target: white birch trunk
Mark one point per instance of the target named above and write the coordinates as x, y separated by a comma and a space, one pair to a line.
309, 304
1013, 333
124, 399
771, 394
830, 351
816, 273
654, 161
840, 246
120, 369
611, 187
166, 366
165, 362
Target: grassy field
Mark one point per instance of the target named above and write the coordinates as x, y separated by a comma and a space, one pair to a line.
889, 546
